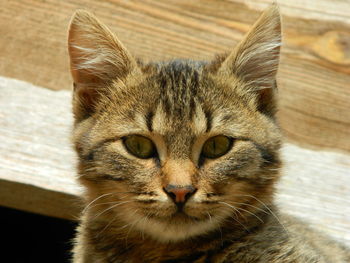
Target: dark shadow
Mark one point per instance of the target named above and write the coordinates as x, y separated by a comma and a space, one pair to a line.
27, 237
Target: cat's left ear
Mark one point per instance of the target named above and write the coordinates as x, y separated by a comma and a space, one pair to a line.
255, 61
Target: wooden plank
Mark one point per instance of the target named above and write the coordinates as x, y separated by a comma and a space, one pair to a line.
37, 164
314, 75
315, 187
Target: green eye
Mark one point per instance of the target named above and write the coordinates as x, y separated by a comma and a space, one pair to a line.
140, 146
216, 146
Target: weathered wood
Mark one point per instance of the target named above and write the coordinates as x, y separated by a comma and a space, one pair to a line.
36, 160
314, 75
37, 164
315, 187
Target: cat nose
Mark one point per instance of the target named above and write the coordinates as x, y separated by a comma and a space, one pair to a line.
179, 194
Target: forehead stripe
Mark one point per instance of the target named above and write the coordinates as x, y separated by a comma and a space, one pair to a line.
209, 119
149, 120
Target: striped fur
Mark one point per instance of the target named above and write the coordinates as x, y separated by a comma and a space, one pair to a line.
179, 104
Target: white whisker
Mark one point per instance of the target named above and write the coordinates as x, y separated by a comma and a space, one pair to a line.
240, 223
272, 213
245, 204
210, 219
236, 219
132, 226
110, 222
251, 213
235, 209
93, 201
111, 207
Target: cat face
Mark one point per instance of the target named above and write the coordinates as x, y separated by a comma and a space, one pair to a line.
176, 149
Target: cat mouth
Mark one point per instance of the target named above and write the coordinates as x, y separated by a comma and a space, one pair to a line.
177, 216
181, 215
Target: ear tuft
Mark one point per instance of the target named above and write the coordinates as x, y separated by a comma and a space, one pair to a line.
95, 53
255, 59
97, 58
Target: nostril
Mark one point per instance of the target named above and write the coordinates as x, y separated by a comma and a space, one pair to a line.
179, 194
171, 195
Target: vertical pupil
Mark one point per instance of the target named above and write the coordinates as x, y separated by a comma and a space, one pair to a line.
216, 147
138, 146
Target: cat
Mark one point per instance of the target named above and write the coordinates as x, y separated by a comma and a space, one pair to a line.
179, 159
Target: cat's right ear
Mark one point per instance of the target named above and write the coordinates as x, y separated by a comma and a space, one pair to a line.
97, 58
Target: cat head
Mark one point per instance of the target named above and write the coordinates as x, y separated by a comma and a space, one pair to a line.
177, 148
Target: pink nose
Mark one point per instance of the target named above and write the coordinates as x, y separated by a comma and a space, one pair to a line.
179, 194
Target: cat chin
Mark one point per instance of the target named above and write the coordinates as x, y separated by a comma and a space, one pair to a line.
167, 231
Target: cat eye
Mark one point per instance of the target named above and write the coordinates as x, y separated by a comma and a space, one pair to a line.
216, 146
140, 146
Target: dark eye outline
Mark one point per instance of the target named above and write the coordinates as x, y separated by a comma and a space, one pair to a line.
231, 140
153, 154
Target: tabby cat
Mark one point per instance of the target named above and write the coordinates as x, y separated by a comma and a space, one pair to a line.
179, 159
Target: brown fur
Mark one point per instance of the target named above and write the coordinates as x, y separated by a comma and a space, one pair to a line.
179, 105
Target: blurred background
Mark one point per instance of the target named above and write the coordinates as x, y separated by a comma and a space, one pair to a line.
314, 86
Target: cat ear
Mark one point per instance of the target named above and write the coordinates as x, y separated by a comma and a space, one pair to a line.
97, 58
255, 60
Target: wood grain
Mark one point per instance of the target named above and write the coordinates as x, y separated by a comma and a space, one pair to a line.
314, 75
37, 164
36, 160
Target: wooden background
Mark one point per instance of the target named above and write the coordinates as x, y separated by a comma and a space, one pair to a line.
314, 75
36, 167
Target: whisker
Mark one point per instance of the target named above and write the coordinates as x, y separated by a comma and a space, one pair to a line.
271, 212
251, 213
235, 209
210, 219
111, 207
257, 208
103, 195
110, 222
114, 218
93, 201
106, 203
222, 241
240, 224
89, 206
144, 223
236, 219
239, 208
130, 229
